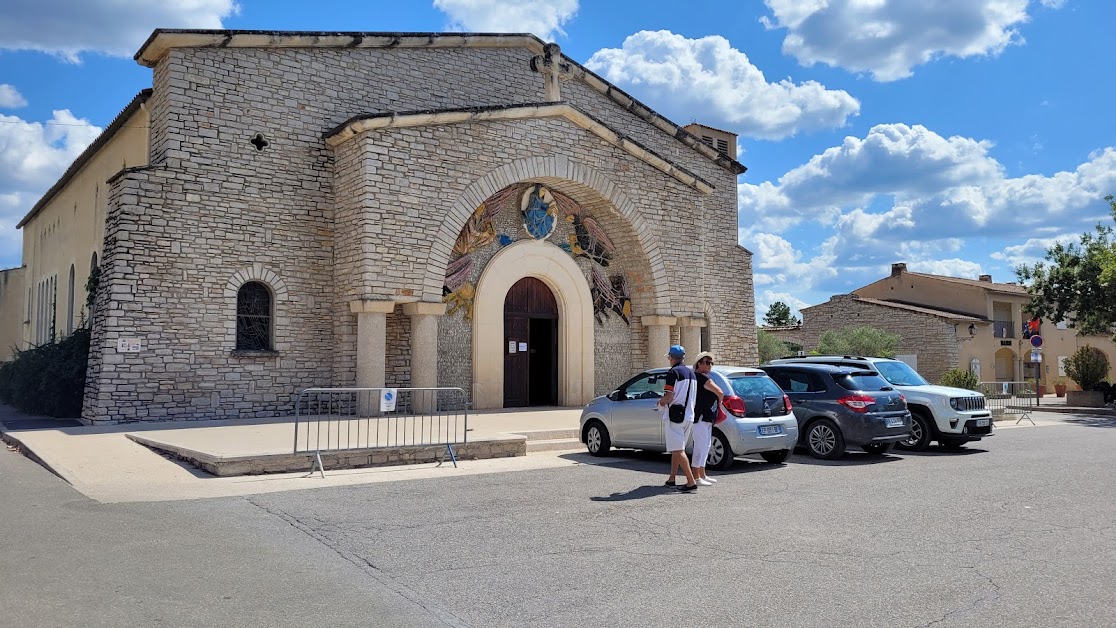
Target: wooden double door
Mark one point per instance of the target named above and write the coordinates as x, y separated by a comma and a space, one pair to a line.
530, 345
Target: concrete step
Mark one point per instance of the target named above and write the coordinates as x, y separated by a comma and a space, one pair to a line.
555, 444
549, 434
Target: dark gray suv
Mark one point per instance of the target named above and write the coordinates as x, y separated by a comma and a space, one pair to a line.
839, 407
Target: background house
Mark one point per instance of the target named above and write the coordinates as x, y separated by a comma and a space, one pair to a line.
950, 322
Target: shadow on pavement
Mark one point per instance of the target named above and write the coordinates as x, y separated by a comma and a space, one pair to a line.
851, 459
659, 463
942, 451
641, 492
1093, 421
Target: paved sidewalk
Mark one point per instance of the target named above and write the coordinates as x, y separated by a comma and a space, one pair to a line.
106, 465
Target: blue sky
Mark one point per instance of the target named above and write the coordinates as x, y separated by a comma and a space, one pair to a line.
959, 136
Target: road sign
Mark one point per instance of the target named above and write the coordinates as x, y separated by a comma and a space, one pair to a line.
387, 400
1036, 356
1036, 341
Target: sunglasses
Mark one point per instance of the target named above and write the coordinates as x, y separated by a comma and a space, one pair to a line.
708, 362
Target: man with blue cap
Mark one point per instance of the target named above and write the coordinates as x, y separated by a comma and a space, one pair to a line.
678, 415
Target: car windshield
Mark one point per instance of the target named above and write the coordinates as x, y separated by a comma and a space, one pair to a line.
866, 381
899, 374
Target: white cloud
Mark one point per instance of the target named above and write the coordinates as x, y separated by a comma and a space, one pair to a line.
953, 267
711, 82
32, 157
70, 27
775, 261
1031, 251
10, 98
903, 183
1053, 4
888, 38
541, 17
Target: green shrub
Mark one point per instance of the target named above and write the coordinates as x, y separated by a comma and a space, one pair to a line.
960, 378
770, 347
1087, 367
48, 379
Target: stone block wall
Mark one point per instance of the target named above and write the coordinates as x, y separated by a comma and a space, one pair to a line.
322, 227
929, 337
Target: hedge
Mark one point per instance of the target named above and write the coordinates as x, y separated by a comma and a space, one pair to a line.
48, 379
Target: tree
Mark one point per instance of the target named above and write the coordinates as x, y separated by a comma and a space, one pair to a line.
1087, 367
866, 341
779, 315
1077, 282
770, 347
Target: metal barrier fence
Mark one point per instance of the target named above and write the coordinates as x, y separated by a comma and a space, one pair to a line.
1010, 398
341, 419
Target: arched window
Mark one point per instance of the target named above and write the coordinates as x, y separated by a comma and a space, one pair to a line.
70, 304
93, 262
253, 317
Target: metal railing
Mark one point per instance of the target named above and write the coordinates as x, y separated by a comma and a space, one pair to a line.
346, 419
1010, 398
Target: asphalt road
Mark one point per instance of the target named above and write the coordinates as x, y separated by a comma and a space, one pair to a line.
1015, 531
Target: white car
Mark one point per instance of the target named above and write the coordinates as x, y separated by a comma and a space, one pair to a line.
951, 416
759, 417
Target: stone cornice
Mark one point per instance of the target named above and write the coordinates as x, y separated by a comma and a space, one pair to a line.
164, 39
526, 111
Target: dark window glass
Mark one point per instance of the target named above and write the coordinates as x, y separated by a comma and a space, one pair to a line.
761, 395
253, 317
862, 381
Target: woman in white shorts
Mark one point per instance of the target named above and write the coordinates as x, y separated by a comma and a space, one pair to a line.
709, 396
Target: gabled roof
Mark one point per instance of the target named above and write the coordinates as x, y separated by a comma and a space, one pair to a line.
162, 41
920, 309
392, 119
102, 139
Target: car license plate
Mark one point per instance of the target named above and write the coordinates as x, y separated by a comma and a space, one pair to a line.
982, 423
770, 430
894, 421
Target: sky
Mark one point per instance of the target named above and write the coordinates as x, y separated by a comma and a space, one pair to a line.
961, 137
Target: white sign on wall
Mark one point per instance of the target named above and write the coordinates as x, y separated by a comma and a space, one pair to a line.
1062, 365
387, 399
129, 345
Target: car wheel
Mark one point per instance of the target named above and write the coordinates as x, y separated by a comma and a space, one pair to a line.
776, 457
596, 438
878, 449
720, 453
920, 434
824, 440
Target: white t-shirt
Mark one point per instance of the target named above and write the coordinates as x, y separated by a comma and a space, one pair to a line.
682, 381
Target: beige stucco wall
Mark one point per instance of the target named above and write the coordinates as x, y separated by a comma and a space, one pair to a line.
70, 229
13, 311
930, 292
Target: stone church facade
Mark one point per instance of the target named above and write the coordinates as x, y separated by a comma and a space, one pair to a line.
409, 210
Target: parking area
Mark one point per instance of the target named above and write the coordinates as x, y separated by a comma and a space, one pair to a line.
1015, 531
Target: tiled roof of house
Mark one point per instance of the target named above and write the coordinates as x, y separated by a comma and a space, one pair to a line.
921, 309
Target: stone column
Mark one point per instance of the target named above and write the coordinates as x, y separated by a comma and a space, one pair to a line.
424, 352
371, 366
658, 338
689, 333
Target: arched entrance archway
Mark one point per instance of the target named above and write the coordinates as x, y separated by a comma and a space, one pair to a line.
561, 275
531, 335
1005, 365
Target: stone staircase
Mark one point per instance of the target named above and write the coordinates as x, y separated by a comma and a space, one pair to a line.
552, 440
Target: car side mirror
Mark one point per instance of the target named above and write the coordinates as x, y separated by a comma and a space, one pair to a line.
614, 395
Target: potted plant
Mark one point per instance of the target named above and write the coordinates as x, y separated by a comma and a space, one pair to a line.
1087, 367
1060, 385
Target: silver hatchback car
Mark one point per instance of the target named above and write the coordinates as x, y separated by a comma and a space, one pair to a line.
759, 417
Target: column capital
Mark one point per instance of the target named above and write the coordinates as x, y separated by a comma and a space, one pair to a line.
366, 306
424, 308
658, 320
685, 321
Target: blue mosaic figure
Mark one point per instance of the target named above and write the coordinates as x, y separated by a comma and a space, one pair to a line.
538, 219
